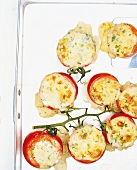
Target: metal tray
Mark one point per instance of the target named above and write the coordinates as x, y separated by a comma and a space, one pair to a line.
40, 25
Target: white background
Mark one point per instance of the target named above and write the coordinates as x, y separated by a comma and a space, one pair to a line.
8, 20
8, 37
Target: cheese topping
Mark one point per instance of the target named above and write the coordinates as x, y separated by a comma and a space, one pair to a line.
118, 40
61, 165
57, 90
77, 48
83, 28
64, 135
111, 106
128, 101
104, 29
44, 111
128, 84
87, 143
46, 154
105, 91
121, 132
121, 41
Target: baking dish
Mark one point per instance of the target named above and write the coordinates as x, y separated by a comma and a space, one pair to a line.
40, 25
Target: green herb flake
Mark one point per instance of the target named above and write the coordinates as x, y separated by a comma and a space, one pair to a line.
49, 157
113, 38
78, 62
33, 147
116, 46
83, 156
125, 125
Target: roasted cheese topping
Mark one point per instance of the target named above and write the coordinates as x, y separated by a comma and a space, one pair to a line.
64, 135
121, 132
128, 101
77, 48
104, 29
44, 111
104, 91
46, 154
118, 40
121, 40
87, 143
57, 90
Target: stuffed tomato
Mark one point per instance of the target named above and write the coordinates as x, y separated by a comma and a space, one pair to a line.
87, 144
103, 89
58, 90
118, 40
121, 131
127, 101
78, 47
122, 40
42, 150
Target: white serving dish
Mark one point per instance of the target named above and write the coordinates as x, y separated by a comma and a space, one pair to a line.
41, 25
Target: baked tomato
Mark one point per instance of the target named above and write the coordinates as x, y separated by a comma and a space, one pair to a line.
103, 89
78, 47
121, 131
58, 90
42, 150
87, 144
127, 101
122, 40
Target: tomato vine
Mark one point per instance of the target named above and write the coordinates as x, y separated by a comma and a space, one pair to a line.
79, 70
52, 128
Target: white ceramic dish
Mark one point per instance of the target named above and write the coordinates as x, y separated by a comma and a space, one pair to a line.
41, 25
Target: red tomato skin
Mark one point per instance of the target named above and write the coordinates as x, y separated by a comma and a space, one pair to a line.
72, 80
122, 114
51, 108
97, 77
105, 136
27, 145
134, 30
33, 138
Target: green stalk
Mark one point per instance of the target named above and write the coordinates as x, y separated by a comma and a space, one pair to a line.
79, 70
63, 124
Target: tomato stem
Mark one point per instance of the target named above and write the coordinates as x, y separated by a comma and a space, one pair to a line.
102, 125
70, 118
79, 70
